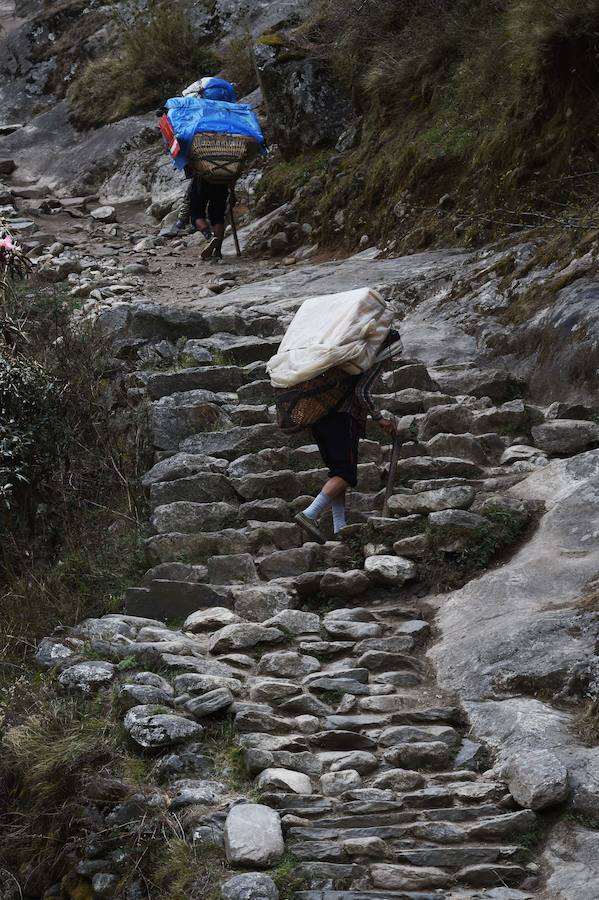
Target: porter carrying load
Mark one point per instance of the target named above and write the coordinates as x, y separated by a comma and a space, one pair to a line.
331, 340
211, 138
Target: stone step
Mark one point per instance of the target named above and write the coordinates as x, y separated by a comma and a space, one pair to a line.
310, 557
288, 484
205, 487
257, 538
301, 458
240, 349
171, 601
240, 440
209, 378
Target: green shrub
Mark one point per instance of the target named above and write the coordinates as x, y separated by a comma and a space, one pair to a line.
160, 53
71, 457
486, 101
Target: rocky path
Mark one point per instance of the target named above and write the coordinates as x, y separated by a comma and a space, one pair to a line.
364, 775
349, 774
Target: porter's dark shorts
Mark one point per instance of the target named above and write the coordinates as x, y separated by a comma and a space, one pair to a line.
209, 201
338, 436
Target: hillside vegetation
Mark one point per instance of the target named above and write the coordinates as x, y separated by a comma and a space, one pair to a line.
494, 103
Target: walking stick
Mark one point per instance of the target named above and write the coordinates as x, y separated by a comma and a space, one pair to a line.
397, 442
234, 230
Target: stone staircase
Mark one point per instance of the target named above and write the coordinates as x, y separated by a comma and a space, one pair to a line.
365, 772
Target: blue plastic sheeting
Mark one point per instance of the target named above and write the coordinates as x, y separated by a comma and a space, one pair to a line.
218, 89
190, 115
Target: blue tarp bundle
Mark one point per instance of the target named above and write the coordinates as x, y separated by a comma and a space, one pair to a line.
190, 115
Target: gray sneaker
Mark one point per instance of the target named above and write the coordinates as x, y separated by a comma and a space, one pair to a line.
310, 526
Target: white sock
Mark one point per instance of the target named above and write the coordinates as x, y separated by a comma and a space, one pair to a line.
339, 520
318, 506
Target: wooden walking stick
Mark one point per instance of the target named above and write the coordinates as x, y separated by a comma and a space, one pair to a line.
397, 442
234, 230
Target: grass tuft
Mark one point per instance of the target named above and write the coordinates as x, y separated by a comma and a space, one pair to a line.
160, 53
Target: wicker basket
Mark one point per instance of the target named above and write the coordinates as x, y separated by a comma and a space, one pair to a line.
220, 158
306, 403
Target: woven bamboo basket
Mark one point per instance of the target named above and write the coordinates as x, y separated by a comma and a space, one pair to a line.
220, 158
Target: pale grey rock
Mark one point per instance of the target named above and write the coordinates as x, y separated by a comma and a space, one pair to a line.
332, 784
144, 694
365, 846
459, 497
412, 547
211, 619
104, 214
102, 629
52, 651
464, 445
209, 703
261, 601
431, 754
520, 452
250, 886
153, 680
506, 826
183, 516
354, 614
287, 664
537, 779
197, 350
295, 622
417, 734
179, 415
271, 690
509, 417
285, 780
428, 467
196, 683
88, 676
534, 631
409, 376
453, 419
389, 570
235, 568
182, 465
253, 835
150, 729
399, 780
344, 584
192, 792
571, 857
409, 878
359, 760
352, 631
566, 436
243, 636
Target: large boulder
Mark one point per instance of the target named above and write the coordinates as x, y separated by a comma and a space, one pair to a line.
150, 727
306, 108
253, 835
566, 436
537, 779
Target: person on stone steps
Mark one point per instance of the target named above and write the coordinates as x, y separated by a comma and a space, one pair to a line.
205, 204
337, 436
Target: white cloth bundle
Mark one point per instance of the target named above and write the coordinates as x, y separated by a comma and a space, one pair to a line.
344, 330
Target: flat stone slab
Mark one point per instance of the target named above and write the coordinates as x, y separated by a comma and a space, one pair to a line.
535, 630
